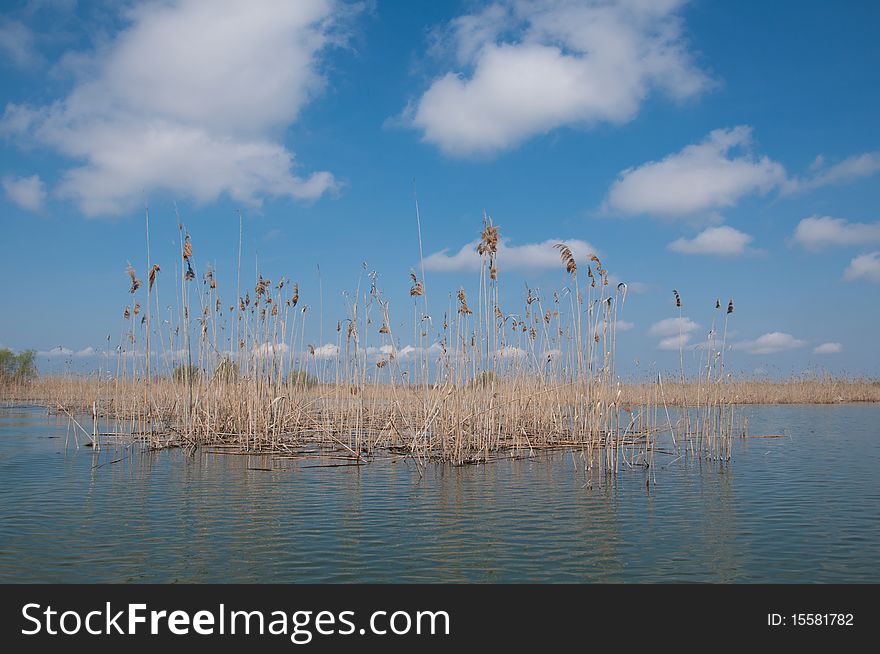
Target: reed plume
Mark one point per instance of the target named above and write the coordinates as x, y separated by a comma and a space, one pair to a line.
463, 307
416, 289
152, 275
567, 257
135, 282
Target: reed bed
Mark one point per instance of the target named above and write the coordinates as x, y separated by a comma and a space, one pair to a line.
78, 391
805, 390
473, 383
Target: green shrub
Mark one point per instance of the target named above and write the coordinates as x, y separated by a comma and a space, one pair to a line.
17, 367
484, 379
302, 378
184, 373
227, 370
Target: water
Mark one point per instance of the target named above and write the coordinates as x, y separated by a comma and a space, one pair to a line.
805, 508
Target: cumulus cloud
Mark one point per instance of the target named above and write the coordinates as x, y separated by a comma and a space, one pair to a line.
771, 343
670, 326
408, 352
624, 326
828, 348
510, 352
529, 256
850, 169
27, 192
400, 354
674, 342
191, 97
673, 332
179, 355
270, 349
817, 232
326, 351
723, 241
525, 68
382, 352
61, 351
864, 267
704, 177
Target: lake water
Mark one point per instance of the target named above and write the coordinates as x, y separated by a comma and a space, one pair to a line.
804, 508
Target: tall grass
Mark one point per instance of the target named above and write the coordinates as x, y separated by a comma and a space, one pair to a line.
478, 381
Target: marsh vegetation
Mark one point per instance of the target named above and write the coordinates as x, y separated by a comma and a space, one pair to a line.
234, 371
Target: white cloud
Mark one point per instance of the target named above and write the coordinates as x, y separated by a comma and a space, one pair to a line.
17, 43
673, 332
850, 169
374, 353
531, 67
270, 349
511, 352
381, 351
724, 241
326, 351
27, 192
465, 259
817, 232
61, 351
865, 267
828, 348
672, 326
408, 352
674, 342
624, 326
771, 343
529, 256
192, 98
404, 353
701, 178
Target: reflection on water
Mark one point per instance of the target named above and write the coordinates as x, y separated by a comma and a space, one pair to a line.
802, 508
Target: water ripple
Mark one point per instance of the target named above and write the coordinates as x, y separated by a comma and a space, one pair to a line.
799, 509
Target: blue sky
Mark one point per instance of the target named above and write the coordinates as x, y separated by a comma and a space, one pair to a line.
721, 149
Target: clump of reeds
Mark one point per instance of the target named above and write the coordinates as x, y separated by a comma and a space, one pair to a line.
484, 381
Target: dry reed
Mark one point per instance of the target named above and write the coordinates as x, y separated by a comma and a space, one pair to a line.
483, 382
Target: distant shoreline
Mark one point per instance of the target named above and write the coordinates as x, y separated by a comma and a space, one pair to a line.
826, 391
